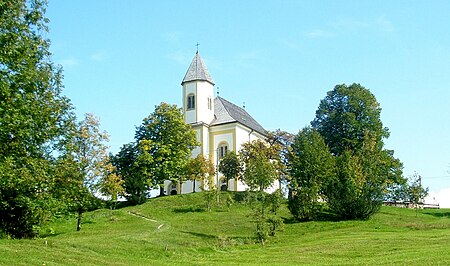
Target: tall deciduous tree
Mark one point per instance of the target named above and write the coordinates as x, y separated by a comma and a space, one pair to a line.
89, 154
346, 115
132, 164
163, 144
312, 166
169, 141
91, 151
35, 118
348, 119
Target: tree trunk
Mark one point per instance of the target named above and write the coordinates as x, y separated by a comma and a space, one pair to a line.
161, 191
80, 214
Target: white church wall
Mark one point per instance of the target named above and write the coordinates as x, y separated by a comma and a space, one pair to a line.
205, 141
219, 135
205, 91
190, 116
241, 186
197, 150
219, 140
171, 188
188, 187
244, 134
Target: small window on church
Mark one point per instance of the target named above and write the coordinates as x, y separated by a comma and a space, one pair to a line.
191, 102
222, 150
209, 104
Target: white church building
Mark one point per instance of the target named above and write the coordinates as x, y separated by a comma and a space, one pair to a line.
220, 125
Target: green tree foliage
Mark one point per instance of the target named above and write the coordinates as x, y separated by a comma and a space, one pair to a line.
348, 119
260, 169
230, 166
35, 118
132, 164
280, 143
163, 144
275, 200
91, 152
351, 195
396, 192
202, 169
199, 168
416, 193
89, 162
346, 115
410, 191
70, 190
312, 167
261, 162
111, 185
169, 141
25, 202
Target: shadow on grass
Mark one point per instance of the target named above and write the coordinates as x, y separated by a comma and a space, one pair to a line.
290, 220
50, 234
223, 241
188, 209
202, 235
445, 214
323, 217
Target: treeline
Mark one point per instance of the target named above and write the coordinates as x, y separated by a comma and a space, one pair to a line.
50, 163
338, 164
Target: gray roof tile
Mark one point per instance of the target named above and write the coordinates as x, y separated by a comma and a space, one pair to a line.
197, 71
227, 112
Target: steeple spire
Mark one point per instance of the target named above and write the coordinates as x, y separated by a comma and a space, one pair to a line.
197, 71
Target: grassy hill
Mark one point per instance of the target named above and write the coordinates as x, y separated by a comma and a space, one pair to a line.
176, 230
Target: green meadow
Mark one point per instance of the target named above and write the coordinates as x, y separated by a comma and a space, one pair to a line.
176, 230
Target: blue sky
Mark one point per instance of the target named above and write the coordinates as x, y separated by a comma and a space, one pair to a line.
121, 58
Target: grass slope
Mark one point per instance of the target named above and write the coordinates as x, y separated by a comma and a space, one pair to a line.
176, 230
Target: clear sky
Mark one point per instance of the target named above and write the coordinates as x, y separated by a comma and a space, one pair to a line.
121, 58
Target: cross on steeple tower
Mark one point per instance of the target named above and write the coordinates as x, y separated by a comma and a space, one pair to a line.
197, 46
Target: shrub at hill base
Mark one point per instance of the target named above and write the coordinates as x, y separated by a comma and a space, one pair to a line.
350, 194
260, 171
312, 165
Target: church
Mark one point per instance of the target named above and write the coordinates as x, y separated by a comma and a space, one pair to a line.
220, 125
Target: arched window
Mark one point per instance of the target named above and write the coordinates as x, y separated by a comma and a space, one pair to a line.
222, 150
190, 101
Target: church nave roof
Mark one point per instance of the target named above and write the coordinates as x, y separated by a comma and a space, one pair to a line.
227, 112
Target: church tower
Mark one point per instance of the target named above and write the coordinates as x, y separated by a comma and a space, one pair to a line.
198, 93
